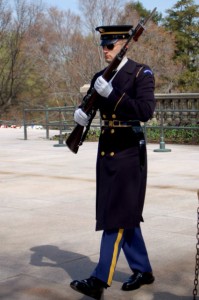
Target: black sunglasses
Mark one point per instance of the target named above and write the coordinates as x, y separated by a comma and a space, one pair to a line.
109, 46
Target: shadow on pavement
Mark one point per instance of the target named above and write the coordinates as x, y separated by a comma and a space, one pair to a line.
77, 266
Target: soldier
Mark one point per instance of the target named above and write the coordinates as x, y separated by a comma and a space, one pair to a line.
125, 101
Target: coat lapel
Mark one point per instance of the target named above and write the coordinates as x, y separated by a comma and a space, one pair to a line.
122, 78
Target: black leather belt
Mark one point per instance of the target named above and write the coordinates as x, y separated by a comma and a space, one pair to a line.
117, 123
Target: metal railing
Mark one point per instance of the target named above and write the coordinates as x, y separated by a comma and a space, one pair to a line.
60, 118
173, 111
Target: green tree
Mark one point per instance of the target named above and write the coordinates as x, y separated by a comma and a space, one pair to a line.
183, 22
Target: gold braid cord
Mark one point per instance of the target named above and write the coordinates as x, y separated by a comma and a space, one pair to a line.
195, 290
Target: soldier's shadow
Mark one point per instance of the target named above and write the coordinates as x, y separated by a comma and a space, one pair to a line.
77, 266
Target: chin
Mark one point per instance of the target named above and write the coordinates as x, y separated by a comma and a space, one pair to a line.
108, 60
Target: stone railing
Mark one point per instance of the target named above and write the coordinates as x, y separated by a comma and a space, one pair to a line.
174, 111
177, 109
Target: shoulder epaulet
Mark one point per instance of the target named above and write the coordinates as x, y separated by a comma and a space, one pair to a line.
139, 70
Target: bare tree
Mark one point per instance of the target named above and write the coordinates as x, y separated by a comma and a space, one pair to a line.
14, 65
5, 19
100, 12
52, 49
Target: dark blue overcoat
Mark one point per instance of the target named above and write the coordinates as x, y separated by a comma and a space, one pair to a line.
121, 182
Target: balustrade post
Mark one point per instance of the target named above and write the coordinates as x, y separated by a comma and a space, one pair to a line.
162, 143
47, 123
61, 141
24, 124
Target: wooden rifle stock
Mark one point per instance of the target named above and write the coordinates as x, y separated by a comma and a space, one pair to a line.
77, 136
73, 141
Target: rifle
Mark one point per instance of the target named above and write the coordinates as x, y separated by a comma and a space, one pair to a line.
78, 135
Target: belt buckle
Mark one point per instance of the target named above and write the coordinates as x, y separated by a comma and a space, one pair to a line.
111, 123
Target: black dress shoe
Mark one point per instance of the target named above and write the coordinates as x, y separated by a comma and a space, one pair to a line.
137, 280
91, 287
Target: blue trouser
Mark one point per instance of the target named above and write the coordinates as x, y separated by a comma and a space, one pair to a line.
132, 243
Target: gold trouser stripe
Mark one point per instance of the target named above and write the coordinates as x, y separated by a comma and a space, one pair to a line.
115, 254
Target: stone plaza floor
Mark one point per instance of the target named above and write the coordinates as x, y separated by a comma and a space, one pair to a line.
47, 220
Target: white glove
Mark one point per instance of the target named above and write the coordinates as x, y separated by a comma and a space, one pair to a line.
103, 87
80, 117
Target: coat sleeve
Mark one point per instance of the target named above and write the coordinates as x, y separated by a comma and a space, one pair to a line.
137, 102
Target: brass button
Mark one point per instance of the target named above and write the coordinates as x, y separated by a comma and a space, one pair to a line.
112, 131
112, 153
110, 123
114, 116
104, 116
102, 153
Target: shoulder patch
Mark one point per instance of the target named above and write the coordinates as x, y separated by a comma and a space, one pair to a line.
148, 71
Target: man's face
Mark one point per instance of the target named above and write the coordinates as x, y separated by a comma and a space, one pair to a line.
111, 50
